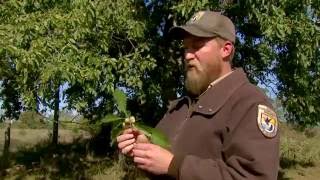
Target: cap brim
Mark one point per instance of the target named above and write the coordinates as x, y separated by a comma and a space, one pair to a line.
179, 32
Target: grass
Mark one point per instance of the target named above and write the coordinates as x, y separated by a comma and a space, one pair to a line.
32, 157
78, 156
28, 138
300, 153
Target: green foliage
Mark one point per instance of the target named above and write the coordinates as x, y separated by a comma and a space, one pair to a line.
298, 148
121, 102
154, 135
91, 48
118, 121
31, 120
110, 118
9, 96
291, 30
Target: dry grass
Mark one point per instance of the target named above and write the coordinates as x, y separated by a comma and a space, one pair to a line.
300, 153
300, 157
27, 138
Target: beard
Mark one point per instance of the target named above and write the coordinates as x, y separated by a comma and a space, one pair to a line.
196, 81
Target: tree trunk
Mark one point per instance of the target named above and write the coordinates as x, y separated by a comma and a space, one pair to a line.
7, 139
35, 96
56, 118
4, 160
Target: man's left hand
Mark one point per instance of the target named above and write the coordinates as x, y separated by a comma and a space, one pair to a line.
152, 158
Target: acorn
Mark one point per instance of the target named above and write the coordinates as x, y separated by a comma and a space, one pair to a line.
127, 120
132, 119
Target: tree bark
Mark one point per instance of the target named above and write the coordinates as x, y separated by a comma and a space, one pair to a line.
56, 118
4, 160
7, 140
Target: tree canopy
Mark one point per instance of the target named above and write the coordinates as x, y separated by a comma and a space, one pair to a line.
92, 47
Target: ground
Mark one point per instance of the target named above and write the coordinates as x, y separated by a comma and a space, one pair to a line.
29, 137
31, 158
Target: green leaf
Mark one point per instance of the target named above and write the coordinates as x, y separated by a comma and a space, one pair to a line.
154, 135
121, 101
111, 118
116, 131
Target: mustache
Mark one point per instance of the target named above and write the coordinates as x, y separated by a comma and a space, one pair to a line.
189, 65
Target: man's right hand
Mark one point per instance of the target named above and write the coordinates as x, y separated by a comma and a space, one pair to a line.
128, 138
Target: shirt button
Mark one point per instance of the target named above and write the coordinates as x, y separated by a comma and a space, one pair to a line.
200, 106
210, 110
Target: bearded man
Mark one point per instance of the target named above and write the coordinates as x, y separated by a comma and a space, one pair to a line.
225, 128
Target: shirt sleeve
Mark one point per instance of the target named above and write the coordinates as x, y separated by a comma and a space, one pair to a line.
247, 153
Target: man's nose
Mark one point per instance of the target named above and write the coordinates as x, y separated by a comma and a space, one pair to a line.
189, 55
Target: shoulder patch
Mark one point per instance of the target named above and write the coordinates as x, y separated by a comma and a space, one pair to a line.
267, 121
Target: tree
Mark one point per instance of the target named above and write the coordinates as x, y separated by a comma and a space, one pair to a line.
82, 50
277, 45
88, 47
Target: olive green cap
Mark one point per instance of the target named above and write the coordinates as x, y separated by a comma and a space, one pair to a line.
206, 24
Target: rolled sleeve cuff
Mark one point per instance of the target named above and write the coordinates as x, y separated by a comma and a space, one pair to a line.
175, 165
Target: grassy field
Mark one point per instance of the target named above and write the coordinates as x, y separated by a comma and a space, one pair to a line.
300, 154
28, 138
31, 157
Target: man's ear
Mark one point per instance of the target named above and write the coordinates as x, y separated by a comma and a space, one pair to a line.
227, 50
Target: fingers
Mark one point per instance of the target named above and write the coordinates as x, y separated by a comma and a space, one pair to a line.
124, 137
137, 131
141, 161
127, 150
125, 143
143, 167
140, 153
130, 153
127, 131
139, 135
127, 140
143, 146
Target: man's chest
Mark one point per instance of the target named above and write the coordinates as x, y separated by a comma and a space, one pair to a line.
192, 132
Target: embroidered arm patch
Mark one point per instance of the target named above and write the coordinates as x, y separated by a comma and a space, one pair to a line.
267, 121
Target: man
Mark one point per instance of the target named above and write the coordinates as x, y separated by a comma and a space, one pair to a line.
225, 128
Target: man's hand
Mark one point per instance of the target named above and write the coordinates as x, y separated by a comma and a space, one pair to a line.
152, 158
128, 138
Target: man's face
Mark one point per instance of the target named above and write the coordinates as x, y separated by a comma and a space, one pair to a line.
203, 63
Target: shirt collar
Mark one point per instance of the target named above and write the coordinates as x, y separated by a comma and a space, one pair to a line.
219, 79
215, 97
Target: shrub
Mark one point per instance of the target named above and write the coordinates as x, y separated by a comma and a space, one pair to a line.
31, 120
299, 148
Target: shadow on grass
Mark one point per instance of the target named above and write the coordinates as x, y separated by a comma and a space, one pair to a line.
282, 176
287, 163
72, 161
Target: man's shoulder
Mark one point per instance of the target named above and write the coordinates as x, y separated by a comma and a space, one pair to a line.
248, 96
252, 92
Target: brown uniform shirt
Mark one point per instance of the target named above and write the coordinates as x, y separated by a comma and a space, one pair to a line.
218, 136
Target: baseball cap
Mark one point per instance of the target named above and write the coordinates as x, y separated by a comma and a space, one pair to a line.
206, 24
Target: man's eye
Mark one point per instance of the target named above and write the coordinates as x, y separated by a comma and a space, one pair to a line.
197, 46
